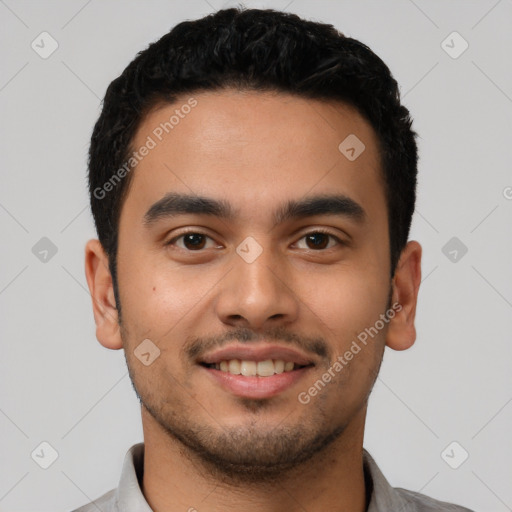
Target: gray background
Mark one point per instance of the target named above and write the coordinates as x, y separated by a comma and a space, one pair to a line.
60, 386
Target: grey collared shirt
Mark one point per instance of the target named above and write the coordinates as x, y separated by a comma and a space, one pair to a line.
128, 496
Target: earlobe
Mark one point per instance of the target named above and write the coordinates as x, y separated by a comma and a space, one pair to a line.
99, 280
401, 333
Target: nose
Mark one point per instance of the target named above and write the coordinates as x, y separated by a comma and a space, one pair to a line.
257, 294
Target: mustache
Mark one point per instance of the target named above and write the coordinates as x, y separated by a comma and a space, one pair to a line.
196, 346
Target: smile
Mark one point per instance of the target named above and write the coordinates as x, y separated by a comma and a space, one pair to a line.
248, 368
256, 371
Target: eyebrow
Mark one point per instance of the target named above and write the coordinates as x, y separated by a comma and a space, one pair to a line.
174, 204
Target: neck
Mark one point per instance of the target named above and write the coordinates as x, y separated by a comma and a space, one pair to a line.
177, 480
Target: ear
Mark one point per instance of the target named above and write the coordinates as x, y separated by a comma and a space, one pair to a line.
401, 333
101, 287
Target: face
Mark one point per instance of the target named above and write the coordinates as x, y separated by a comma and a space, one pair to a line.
283, 264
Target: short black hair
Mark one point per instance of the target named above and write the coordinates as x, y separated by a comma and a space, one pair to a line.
259, 50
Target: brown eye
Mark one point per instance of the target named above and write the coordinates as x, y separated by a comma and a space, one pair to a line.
191, 241
194, 241
318, 240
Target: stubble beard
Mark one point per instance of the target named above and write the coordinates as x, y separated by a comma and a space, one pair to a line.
248, 454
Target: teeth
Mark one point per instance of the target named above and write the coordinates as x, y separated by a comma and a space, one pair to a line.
248, 368
278, 366
234, 366
265, 368
252, 368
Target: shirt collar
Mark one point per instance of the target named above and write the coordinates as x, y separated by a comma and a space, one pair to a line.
383, 496
129, 497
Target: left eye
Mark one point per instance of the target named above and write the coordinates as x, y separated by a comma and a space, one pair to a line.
319, 240
196, 240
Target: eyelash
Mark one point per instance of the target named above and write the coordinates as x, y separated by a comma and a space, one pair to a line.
315, 231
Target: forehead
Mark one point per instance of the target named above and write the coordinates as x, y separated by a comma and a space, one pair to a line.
254, 148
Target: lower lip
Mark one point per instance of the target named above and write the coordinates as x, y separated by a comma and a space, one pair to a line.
257, 387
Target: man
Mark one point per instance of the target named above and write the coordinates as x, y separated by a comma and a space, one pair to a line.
252, 180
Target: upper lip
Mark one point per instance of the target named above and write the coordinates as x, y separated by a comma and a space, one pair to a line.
256, 353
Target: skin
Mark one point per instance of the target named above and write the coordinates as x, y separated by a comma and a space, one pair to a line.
255, 150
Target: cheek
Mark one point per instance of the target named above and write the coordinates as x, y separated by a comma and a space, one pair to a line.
347, 301
156, 294
349, 310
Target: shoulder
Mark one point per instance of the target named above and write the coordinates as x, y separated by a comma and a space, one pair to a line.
104, 503
384, 497
420, 503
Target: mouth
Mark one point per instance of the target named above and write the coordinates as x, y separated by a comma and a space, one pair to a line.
256, 371
247, 368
